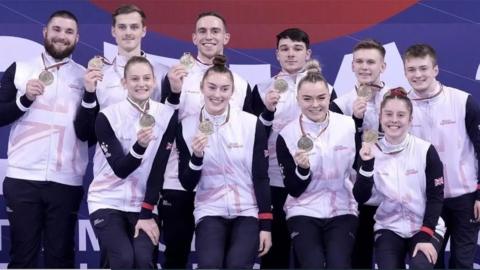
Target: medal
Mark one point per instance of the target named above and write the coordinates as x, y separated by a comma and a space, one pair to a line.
95, 63
147, 120
206, 127
370, 136
364, 91
187, 60
305, 143
281, 85
46, 77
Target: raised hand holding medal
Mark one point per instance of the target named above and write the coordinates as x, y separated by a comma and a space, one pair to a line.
369, 138
365, 91
96, 63
94, 72
280, 85
187, 60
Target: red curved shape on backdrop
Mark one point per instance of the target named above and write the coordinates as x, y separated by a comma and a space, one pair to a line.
254, 24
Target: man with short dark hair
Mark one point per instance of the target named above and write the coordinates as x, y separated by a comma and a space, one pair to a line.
46, 161
277, 107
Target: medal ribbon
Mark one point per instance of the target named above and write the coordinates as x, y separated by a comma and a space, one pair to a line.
389, 149
321, 131
57, 65
201, 118
433, 96
378, 87
104, 60
143, 110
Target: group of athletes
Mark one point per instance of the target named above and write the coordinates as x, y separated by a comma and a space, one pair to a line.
284, 171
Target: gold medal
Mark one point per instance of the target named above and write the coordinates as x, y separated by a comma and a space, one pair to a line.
370, 136
147, 120
206, 127
364, 91
305, 143
46, 77
281, 85
95, 63
187, 60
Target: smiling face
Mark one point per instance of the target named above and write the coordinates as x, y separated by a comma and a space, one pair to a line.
292, 55
210, 37
313, 99
128, 32
421, 73
368, 64
60, 37
139, 81
395, 119
217, 89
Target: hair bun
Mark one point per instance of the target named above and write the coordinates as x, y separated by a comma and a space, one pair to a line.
219, 60
313, 66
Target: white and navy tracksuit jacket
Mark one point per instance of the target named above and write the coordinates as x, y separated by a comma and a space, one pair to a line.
43, 145
287, 110
450, 121
123, 166
324, 190
408, 185
191, 102
231, 178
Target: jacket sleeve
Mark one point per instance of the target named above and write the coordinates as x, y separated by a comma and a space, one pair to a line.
295, 178
84, 123
434, 190
362, 189
257, 103
11, 108
472, 123
122, 164
156, 176
189, 166
247, 103
261, 183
